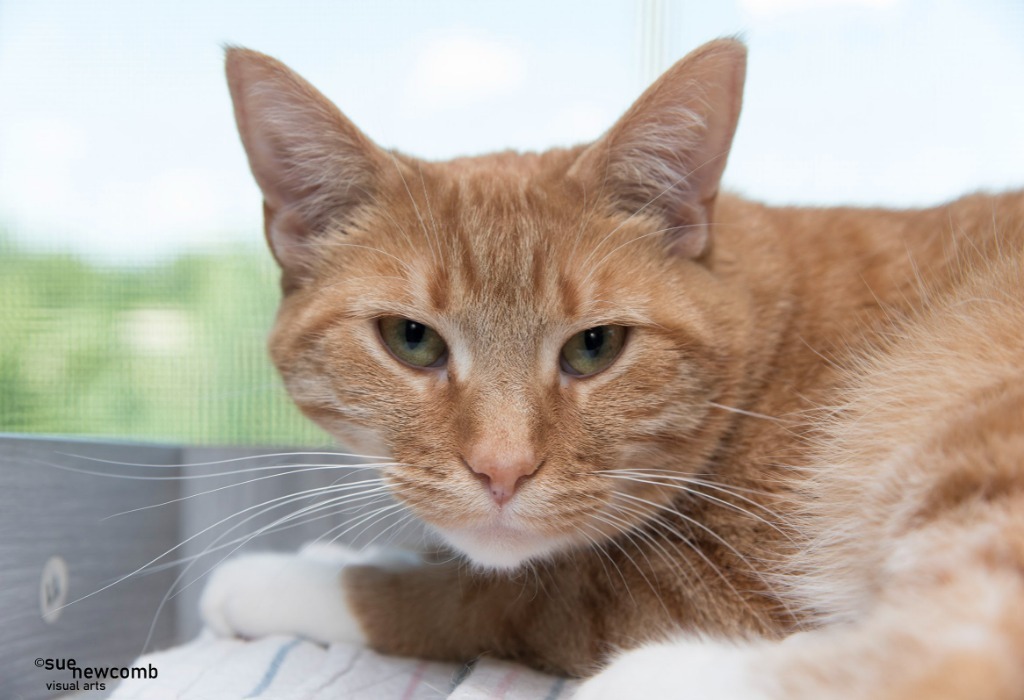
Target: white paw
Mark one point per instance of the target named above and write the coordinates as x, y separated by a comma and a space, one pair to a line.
341, 556
330, 553
682, 669
262, 594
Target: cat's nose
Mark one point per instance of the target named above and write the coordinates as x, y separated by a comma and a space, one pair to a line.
502, 470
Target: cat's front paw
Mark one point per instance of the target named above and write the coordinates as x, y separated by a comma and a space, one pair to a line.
296, 594
683, 669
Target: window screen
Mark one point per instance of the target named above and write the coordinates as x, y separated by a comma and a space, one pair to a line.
172, 350
135, 294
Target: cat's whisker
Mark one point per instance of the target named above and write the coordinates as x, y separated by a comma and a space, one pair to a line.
708, 497
336, 505
641, 518
673, 474
754, 571
736, 492
745, 412
366, 521
627, 530
286, 469
285, 522
599, 548
261, 509
333, 506
243, 539
399, 535
435, 254
279, 501
340, 506
633, 537
401, 522
217, 462
174, 590
693, 521
237, 484
631, 529
681, 537
346, 499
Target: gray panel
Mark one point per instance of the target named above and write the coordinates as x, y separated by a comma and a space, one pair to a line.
49, 508
47, 511
261, 476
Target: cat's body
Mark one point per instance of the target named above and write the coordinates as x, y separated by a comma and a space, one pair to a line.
811, 435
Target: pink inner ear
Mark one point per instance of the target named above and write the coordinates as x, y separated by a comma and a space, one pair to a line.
312, 164
691, 242
287, 233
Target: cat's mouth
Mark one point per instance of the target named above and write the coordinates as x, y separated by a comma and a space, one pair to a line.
501, 545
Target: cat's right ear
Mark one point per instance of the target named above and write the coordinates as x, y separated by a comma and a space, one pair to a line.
314, 166
666, 155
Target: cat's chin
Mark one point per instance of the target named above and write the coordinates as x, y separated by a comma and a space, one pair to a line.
503, 548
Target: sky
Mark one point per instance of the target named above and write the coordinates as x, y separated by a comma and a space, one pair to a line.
117, 139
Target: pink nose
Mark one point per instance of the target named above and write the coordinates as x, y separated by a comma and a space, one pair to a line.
502, 471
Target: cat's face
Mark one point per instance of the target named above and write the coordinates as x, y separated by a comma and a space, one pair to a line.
510, 329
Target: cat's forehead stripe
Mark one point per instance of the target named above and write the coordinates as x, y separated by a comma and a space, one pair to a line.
468, 267
569, 295
506, 242
438, 290
538, 274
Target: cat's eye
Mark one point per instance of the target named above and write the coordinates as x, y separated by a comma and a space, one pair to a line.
590, 351
412, 342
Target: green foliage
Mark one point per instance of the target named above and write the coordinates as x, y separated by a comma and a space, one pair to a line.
171, 352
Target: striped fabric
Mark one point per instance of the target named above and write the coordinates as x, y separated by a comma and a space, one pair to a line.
281, 668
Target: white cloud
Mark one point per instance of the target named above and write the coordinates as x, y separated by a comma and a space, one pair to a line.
175, 209
39, 157
765, 9
577, 123
51, 138
58, 190
39, 160
457, 70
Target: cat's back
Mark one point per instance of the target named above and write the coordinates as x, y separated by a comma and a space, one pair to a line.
882, 319
949, 328
927, 419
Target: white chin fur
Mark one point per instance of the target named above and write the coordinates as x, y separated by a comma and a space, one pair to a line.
502, 549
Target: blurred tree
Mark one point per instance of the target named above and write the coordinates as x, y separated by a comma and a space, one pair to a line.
170, 352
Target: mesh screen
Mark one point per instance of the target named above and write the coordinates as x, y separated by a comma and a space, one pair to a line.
169, 352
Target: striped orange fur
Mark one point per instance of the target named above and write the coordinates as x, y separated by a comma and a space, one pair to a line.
808, 453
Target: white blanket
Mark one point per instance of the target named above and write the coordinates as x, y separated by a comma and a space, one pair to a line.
282, 668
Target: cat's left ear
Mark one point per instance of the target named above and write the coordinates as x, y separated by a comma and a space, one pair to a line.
315, 168
666, 155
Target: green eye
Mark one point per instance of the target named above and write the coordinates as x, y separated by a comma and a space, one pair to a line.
412, 342
592, 350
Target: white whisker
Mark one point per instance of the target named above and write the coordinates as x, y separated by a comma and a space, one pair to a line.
241, 483
708, 497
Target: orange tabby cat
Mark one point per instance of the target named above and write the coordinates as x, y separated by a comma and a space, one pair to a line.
706, 447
